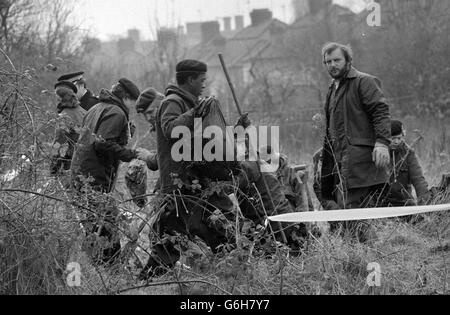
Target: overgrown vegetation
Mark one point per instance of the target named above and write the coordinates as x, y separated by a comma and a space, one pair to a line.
40, 232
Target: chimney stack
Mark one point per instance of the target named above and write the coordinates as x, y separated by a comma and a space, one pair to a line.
315, 6
260, 16
166, 36
135, 35
194, 33
239, 20
227, 24
210, 31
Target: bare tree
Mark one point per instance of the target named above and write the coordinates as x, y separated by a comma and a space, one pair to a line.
13, 21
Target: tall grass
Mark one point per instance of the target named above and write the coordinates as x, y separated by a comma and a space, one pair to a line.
40, 232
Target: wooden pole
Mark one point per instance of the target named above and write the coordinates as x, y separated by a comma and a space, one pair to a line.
233, 91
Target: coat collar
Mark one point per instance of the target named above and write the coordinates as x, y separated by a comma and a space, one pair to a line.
86, 96
352, 74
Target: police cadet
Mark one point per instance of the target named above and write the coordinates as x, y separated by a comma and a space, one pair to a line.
406, 171
86, 98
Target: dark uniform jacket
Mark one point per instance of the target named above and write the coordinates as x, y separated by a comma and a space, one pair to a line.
102, 144
88, 101
253, 182
366, 120
176, 110
406, 174
272, 192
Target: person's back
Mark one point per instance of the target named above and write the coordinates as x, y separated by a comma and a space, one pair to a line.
175, 111
100, 149
112, 120
268, 191
105, 133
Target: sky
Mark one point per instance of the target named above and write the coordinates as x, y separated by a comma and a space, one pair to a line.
106, 18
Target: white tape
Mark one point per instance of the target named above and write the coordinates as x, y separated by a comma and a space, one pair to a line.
356, 214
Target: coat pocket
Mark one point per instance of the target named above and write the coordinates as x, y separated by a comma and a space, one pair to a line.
361, 169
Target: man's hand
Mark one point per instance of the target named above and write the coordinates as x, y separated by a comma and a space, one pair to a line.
244, 121
144, 155
381, 155
202, 110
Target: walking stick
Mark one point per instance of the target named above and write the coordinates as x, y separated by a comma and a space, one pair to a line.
236, 101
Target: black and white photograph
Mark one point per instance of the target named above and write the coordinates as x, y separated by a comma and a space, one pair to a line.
224, 153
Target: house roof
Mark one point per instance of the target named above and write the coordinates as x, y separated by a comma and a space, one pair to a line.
249, 43
309, 19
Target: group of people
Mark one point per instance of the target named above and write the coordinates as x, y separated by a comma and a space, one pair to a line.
362, 146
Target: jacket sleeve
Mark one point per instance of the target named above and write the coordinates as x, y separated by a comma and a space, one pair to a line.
152, 163
377, 108
416, 175
109, 132
172, 116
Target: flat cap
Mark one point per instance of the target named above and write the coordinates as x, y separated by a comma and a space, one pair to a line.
130, 87
72, 77
146, 99
66, 84
191, 66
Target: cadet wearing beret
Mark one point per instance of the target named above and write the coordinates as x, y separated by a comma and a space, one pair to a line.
179, 109
109, 120
86, 98
99, 156
147, 105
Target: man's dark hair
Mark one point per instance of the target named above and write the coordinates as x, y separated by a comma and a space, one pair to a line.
183, 78
330, 47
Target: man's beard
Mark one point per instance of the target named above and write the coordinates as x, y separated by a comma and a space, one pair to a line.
342, 73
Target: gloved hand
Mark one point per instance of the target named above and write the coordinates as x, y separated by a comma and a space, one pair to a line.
244, 121
381, 155
144, 154
202, 110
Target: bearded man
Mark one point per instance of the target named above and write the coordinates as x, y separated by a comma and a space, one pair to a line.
355, 170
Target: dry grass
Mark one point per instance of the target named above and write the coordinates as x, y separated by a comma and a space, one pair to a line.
40, 234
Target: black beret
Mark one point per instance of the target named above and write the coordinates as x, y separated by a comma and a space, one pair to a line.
146, 99
66, 84
130, 87
396, 128
71, 77
192, 66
